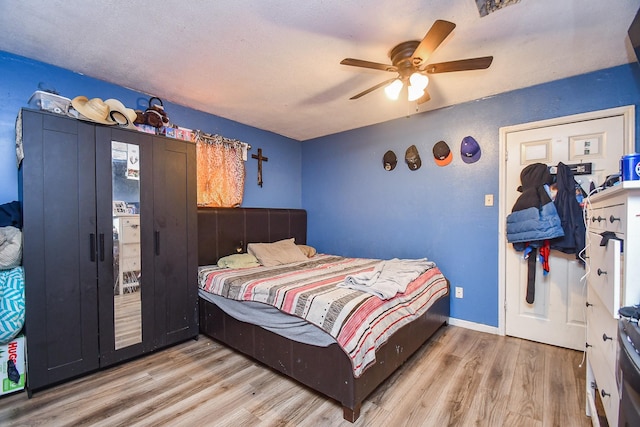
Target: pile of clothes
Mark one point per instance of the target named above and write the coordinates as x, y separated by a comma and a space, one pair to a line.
12, 305
539, 223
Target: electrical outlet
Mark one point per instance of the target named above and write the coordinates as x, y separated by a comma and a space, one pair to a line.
488, 199
459, 292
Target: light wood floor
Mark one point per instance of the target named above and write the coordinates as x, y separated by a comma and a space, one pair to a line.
460, 378
127, 319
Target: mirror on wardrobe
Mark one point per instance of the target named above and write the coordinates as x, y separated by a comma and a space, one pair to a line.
128, 281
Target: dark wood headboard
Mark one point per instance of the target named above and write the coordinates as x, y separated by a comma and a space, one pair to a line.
222, 231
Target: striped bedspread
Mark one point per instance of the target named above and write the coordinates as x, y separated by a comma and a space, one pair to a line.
360, 322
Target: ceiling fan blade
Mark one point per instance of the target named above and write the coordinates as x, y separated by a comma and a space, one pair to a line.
368, 64
371, 89
434, 37
424, 98
460, 65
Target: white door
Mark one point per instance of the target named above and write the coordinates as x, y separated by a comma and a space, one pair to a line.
557, 314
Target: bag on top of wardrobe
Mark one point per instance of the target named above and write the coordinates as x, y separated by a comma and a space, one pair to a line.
154, 115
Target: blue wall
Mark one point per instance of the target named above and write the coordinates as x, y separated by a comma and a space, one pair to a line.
356, 208
21, 76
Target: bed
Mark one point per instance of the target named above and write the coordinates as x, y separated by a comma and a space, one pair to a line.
318, 362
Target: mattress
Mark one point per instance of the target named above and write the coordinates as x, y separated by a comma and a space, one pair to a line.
271, 319
358, 321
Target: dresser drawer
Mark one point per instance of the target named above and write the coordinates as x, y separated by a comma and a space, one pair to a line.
129, 250
605, 272
602, 330
130, 264
607, 218
607, 387
130, 229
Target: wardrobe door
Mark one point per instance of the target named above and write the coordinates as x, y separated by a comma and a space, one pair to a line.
57, 195
175, 214
124, 206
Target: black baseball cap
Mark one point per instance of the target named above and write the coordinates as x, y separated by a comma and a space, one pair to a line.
389, 160
442, 154
413, 158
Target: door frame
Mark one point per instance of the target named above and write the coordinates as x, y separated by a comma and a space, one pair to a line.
628, 114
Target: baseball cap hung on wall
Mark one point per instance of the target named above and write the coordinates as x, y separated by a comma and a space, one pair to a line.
389, 161
442, 154
413, 158
121, 115
470, 150
94, 110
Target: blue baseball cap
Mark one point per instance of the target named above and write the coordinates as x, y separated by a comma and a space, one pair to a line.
470, 150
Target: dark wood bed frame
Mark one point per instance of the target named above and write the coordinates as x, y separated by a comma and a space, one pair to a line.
224, 231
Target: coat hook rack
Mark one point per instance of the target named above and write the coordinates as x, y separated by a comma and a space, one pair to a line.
576, 168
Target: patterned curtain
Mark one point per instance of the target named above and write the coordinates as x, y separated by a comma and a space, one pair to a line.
221, 171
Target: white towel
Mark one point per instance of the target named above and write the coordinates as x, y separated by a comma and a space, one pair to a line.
388, 277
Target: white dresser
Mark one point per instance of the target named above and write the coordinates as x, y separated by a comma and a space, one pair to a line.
613, 281
128, 229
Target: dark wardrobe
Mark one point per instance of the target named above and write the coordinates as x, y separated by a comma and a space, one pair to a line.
110, 249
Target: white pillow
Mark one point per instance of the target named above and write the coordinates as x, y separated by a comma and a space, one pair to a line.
277, 253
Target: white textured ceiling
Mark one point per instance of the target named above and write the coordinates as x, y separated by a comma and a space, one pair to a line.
275, 64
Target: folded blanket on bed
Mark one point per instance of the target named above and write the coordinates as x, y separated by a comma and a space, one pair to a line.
388, 277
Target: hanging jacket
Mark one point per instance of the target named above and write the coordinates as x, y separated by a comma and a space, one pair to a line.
533, 225
570, 213
10, 214
534, 217
533, 221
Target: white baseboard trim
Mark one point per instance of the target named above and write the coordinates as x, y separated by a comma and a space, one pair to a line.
474, 326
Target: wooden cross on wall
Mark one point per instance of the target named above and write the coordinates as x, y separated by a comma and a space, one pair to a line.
260, 158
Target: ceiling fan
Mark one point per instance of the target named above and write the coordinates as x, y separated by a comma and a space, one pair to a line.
409, 61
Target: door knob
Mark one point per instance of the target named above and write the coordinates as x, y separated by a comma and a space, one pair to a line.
605, 337
604, 393
601, 272
613, 219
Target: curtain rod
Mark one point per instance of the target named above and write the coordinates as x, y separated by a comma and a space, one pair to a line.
219, 139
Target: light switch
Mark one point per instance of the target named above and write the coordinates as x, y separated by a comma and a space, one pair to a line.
488, 199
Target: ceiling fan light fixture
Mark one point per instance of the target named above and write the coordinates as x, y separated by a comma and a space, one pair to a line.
393, 89
409, 58
415, 93
419, 80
